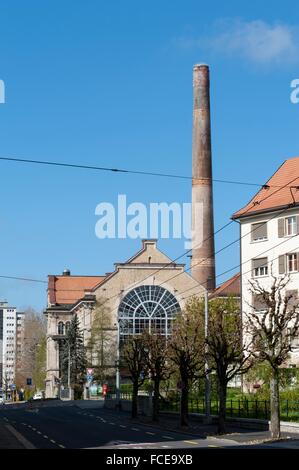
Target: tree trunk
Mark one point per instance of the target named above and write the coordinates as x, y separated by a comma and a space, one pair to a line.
275, 411
184, 404
135, 400
156, 396
222, 406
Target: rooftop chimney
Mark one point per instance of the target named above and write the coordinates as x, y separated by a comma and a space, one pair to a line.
203, 257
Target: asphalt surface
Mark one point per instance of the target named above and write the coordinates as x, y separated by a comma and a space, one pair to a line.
68, 426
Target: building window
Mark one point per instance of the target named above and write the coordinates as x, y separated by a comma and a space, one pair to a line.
259, 232
290, 226
67, 326
151, 308
61, 328
260, 267
294, 340
292, 262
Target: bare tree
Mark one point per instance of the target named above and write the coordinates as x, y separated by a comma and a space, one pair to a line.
134, 358
157, 364
33, 336
101, 346
272, 327
186, 350
225, 348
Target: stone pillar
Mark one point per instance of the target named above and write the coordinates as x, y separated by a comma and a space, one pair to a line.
203, 258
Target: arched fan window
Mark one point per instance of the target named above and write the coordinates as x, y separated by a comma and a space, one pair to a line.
147, 307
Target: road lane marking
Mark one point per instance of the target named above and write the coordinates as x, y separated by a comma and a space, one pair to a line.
122, 426
60, 445
168, 437
27, 444
191, 442
135, 429
46, 437
54, 442
113, 424
150, 433
211, 445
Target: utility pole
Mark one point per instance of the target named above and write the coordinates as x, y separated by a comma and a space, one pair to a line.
69, 371
117, 377
207, 375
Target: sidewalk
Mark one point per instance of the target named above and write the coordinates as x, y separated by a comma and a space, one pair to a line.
234, 433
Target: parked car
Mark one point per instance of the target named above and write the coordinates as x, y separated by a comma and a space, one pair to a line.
38, 396
2, 399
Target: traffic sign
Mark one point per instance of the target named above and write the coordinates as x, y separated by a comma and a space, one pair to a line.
13, 387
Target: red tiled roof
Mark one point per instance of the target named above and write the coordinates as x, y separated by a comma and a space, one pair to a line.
278, 194
231, 287
69, 289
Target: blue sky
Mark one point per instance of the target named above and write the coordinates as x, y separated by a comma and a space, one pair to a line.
110, 84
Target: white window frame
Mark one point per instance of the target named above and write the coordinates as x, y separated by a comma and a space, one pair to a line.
293, 225
252, 230
293, 261
294, 342
261, 271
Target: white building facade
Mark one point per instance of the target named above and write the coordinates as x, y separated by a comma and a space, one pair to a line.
269, 240
8, 325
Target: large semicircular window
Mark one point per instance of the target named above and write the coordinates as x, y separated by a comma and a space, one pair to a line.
147, 307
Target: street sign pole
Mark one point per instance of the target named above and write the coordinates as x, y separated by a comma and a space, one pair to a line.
117, 378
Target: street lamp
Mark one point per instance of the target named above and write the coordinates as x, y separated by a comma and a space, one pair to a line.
69, 371
207, 375
117, 376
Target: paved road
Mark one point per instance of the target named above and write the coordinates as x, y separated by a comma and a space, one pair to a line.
73, 428
67, 426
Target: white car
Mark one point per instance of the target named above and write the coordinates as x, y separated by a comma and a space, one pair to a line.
2, 401
37, 396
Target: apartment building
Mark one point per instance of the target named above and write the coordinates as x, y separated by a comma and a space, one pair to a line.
8, 326
269, 234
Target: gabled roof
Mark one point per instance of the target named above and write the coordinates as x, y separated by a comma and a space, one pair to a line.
67, 290
279, 191
231, 287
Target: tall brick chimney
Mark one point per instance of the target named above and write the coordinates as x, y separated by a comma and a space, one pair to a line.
203, 257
